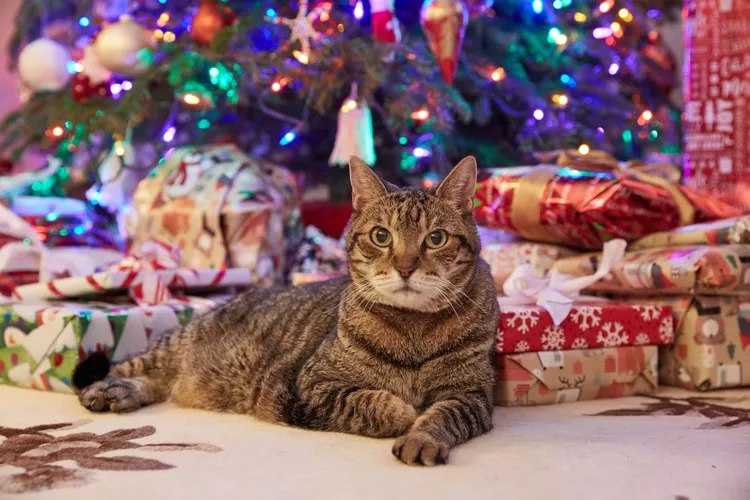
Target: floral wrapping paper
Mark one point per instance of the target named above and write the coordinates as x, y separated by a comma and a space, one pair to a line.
581, 208
42, 342
723, 232
589, 325
504, 258
712, 342
537, 378
711, 270
221, 207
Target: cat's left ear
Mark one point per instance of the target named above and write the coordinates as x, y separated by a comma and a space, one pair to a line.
458, 188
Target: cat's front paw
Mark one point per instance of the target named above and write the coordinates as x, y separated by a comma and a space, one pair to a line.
403, 416
420, 449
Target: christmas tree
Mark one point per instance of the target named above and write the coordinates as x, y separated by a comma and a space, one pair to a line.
411, 87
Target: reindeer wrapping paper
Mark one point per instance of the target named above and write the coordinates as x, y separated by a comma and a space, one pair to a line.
42, 342
537, 378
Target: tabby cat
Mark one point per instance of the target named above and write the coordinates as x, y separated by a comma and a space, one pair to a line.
400, 348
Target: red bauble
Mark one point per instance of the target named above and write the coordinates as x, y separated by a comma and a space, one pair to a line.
83, 89
444, 23
210, 18
478, 8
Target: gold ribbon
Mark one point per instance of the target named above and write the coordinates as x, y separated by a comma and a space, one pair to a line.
527, 201
601, 161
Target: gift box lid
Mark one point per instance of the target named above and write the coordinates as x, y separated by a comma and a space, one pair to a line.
588, 325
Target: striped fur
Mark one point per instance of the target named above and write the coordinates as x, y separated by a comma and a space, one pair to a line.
348, 355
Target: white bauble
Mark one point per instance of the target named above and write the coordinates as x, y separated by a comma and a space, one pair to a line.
124, 47
43, 65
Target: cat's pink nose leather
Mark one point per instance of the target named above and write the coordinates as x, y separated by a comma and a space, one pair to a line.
406, 272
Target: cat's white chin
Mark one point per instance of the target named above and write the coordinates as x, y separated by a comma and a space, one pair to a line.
417, 294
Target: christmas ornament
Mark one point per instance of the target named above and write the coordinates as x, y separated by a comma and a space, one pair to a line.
478, 8
209, 20
43, 65
444, 24
117, 177
124, 47
354, 134
385, 25
93, 79
302, 27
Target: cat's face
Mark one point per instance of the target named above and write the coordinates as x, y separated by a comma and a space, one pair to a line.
413, 248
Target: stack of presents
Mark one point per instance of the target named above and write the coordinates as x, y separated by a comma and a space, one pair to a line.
621, 279
612, 278
206, 223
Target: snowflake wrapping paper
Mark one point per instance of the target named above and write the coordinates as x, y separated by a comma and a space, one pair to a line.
530, 328
586, 208
222, 208
724, 232
712, 342
504, 258
42, 342
683, 270
536, 378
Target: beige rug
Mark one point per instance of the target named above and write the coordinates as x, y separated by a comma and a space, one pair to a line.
701, 451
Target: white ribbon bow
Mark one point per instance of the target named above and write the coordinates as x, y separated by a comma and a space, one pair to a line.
557, 292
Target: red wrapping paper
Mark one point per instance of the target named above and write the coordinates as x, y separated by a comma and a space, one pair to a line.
585, 209
591, 325
715, 89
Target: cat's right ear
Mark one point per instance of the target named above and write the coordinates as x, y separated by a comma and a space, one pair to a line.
366, 186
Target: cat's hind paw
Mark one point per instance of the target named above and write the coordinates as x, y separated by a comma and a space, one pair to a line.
118, 395
420, 449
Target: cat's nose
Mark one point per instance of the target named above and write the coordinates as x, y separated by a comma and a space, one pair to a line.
405, 272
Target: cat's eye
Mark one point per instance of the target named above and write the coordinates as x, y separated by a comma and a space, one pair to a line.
381, 236
436, 239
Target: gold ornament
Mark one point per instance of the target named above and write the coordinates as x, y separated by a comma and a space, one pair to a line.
124, 47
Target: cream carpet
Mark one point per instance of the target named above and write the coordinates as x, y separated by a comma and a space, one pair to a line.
555, 452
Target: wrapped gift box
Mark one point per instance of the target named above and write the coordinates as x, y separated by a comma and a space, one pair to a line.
712, 270
712, 342
588, 325
723, 232
584, 206
42, 342
536, 378
221, 207
504, 258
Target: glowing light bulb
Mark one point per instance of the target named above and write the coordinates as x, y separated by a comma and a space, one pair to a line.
537, 6
169, 134
420, 114
276, 87
584, 149
127, 85
57, 131
301, 57
78, 67
614, 68
288, 137
84, 21
560, 99
169, 37
538, 114
616, 29
359, 10
647, 115
325, 16
580, 17
498, 74
420, 152
349, 105
625, 15
561, 40
601, 32
606, 6
158, 34
119, 149
163, 19
191, 99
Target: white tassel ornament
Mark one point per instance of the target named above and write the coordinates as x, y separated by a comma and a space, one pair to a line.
354, 135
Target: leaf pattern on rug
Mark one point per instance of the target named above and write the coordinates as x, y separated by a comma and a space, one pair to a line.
34, 450
720, 416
